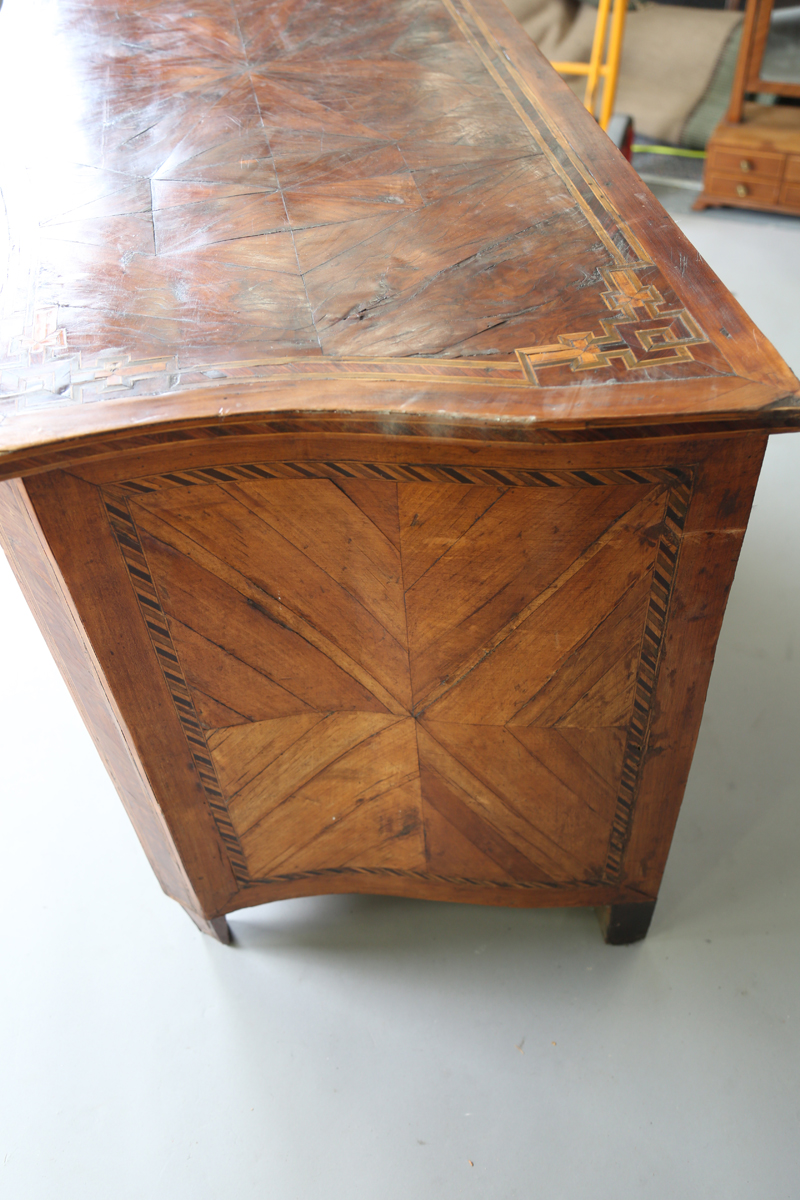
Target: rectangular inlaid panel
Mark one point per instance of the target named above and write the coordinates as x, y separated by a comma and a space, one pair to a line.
429, 669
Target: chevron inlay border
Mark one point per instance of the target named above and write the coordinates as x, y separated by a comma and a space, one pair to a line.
647, 674
433, 877
400, 473
679, 481
158, 627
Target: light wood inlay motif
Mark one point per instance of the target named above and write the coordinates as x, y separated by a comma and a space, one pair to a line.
644, 331
436, 671
390, 189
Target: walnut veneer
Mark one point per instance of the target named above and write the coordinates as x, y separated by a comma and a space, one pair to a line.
376, 451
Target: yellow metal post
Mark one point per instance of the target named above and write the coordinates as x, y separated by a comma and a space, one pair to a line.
612, 61
596, 69
596, 57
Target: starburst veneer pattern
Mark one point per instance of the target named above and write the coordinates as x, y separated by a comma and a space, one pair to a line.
467, 695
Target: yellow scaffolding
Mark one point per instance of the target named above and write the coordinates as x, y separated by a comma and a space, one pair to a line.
596, 69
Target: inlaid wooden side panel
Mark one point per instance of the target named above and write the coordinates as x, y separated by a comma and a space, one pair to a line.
434, 677
430, 670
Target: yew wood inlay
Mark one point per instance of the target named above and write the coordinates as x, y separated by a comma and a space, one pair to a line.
643, 332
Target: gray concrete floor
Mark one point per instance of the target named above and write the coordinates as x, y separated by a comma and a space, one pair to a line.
359, 1048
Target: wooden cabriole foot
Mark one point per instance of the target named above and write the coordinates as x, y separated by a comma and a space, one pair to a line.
625, 923
216, 927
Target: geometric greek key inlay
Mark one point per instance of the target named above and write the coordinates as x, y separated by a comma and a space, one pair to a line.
643, 332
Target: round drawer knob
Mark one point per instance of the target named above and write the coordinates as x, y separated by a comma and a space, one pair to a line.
741, 190
744, 165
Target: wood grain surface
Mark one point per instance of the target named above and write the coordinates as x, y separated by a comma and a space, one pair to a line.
293, 205
377, 453
440, 677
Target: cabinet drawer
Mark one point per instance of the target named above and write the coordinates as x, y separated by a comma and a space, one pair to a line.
793, 169
790, 195
742, 162
741, 189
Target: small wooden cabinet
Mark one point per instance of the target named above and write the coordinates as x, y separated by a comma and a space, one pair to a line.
754, 154
755, 163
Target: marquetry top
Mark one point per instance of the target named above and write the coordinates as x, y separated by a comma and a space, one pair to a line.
225, 207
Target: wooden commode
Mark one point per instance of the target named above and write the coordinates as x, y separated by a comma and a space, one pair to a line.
754, 154
376, 452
